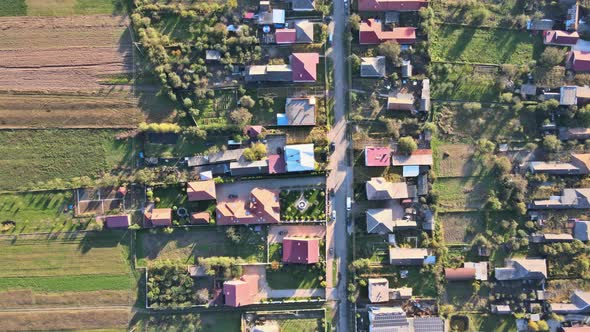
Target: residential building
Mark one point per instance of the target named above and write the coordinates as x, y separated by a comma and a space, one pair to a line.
522, 269
268, 16
371, 33
553, 238
253, 131
240, 292
212, 55
401, 102
574, 133
429, 324
269, 73
540, 24
420, 157
302, 69
301, 250
245, 167
380, 292
216, 158
200, 218
200, 190
583, 95
568, 96
501, 309
377, 156
528, 90
298, 112
383, 319
379, 189
302, 32
303, 5
560, 38
276, 164
158, 217
381, 221
571, 198
406, 69
469, 271
553, 168
299, 158
576, 329
263, 207
410, 256
373, 66
118, 221
582, 230
579, 61
391, 5
580, 303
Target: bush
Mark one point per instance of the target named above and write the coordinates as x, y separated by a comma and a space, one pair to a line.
256, 151
407, 145
247, 102
159, 127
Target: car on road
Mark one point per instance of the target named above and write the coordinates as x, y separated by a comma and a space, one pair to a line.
333, 215
283, 232
348, 203
331, 192
332, 147
331, 251
232, 196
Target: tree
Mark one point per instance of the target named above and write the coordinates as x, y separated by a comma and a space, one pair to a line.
551, 56
240, 116
256, 151
503, 165
552, 143
355, 22
484, 147
533, 326
407, 145
391, 50
355, 63
247, 101
543, 326
202, 296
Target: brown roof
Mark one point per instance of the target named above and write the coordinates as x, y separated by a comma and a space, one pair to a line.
201, 190
461, 273
200, 218
161, 217
421, 157
263, 207
121, 221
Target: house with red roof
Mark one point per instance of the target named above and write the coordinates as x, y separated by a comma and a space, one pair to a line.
579, 61
200, 218
302, 32
262, 207
253, 131
285, 36
119, 221
276, 164
200, 190
371, 33
301, 250
240, 292
560, 38
391, 5
377, 156
158, 217
304, 66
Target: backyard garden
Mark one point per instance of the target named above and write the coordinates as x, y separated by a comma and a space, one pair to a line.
306, 205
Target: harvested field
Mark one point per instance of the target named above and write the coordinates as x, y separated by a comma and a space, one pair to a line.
23, 298
66, 320
38, 111
62, 53
456, 160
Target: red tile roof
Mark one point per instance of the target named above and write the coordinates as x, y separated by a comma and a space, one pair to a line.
200, 218
121, 221
240, 292
276, 164
462, 273
371, 32
285, 36
159, 217
377, 156
200, 190
301, 250
304, 66
263, 207
580, 60
559, 37
577, 329
387, 5
253, 131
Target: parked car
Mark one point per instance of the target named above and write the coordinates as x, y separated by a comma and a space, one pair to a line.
283, 232
333, 215
331, 251
332, 147
232, 196
331, 192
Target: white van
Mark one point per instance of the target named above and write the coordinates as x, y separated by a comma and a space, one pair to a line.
348, 203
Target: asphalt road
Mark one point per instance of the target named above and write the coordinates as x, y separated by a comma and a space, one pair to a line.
340, 178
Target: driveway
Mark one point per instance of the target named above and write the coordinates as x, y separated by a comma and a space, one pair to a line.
242, 188
309, 231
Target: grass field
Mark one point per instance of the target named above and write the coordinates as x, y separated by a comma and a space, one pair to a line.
482, 45
494, 323
462, 194
84, 262
464, 82
199, 322
58, 7
294, 276
206, 241
462, 295
461, 227
455, 160
31, 156
300, 325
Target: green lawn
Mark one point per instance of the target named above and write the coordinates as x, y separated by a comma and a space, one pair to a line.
294, 276
495, 323
482, 45
32, 156
175, 195
462, 82
316, 204
37, 211
13, 8
199, 322
205, 241
184, 147
422, 283
462, 194
70, 7
300, 325
84, 262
